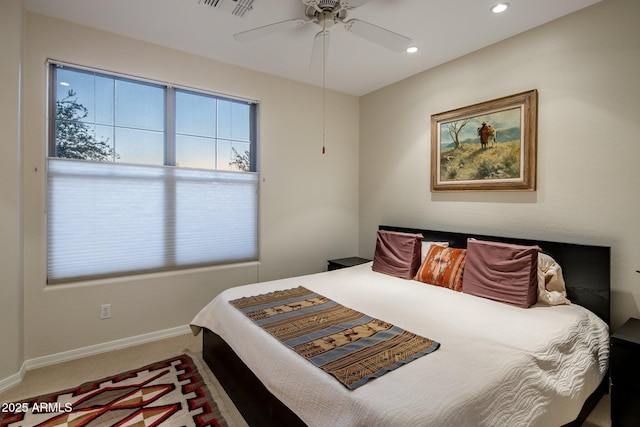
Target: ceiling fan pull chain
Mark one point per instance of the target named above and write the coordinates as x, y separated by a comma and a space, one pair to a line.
324, 90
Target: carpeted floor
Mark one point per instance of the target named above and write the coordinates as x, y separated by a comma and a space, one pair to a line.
73, 373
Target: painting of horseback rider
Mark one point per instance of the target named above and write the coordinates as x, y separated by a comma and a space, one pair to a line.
490, 145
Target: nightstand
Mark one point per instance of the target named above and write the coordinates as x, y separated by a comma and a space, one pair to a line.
335, 264
625, 374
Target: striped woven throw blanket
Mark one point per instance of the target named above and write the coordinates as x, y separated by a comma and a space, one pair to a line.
349, 345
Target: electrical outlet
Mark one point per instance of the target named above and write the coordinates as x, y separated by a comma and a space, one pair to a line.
105, 311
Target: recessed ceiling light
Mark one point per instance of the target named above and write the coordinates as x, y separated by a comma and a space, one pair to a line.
64, 84
500, 7
412, 49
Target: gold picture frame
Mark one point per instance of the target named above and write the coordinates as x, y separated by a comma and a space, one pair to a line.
490, 146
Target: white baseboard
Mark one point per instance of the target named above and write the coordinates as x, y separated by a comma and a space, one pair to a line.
13, 380
91, 350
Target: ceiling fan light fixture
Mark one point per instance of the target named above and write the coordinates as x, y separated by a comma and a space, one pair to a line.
412, 49
499, 8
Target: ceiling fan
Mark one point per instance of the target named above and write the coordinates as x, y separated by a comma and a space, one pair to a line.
326, 13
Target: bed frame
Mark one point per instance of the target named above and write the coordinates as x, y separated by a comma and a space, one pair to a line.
586, 270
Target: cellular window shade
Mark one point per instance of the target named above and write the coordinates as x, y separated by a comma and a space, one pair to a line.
107, 219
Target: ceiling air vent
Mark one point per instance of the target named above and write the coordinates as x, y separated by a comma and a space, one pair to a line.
236, 7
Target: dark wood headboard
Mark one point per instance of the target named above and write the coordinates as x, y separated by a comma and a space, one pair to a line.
586, 269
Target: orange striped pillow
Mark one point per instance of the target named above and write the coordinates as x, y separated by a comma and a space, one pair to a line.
443, 267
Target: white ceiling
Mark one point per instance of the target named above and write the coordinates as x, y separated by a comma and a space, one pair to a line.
442, 29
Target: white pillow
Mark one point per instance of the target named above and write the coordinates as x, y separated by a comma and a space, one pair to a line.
426, 245
551, 286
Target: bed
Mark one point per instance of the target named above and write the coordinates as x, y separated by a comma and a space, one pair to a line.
497, 364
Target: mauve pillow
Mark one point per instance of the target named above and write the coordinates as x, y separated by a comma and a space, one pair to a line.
502, 272
397, 254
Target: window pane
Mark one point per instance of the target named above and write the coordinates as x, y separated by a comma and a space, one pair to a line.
139, 146
195, 114
233, 120
76, 95
105, 135
80, 105
139, 105
195, 152
234, 156
83, 141
105, 91
91, 93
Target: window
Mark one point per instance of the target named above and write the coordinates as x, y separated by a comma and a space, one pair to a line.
146, 177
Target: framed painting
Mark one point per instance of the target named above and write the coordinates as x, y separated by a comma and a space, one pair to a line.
489, 146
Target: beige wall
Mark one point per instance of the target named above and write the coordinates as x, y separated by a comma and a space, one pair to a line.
11, 329
585, 67
308, 201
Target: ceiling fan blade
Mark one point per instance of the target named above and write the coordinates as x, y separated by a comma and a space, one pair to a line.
256, 33
320, 50
378, 35
352, 4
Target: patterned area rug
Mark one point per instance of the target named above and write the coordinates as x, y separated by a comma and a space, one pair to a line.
169, 393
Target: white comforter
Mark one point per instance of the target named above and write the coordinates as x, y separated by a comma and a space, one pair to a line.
497, 365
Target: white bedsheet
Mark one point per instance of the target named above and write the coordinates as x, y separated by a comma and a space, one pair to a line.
497, 365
